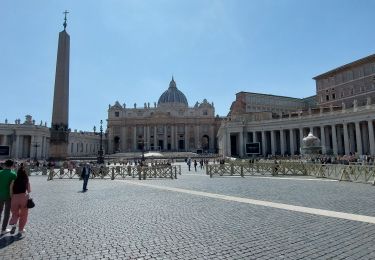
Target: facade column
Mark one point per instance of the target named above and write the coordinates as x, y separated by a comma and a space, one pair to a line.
323, 140
346, 139
186, 138
172, 137
334, 139
165, 142
292, 148
134, 138
273, 145
263, 143
358, 138
340, 148
123, 139
148, 137
197, 143
212, 138
155, 136
311, 130
371, 137
282, 142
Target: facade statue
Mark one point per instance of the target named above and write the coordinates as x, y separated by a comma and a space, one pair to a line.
135, 105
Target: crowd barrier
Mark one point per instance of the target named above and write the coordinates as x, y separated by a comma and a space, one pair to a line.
355, 173
110, 172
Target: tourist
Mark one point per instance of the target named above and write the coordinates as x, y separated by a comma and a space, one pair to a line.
86, 170
195, 165
20, 194
189, 163
7, 177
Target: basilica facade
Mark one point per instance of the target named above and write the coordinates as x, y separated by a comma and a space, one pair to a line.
168, 125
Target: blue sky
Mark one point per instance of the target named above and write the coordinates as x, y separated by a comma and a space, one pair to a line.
127, 50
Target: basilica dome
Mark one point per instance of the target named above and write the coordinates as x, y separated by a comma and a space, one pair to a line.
172, 96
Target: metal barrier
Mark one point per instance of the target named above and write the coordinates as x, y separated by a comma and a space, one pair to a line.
111, 172
354, 173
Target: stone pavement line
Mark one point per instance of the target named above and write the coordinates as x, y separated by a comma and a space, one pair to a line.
314, 211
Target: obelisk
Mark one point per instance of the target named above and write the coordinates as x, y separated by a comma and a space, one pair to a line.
60, 116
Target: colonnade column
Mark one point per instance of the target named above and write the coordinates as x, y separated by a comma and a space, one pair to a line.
334, 139
282, 142
346, 139
323, 140
263, 143
228, 148
358, 138
241, 144
32, 147
300, 137
273, 145
371, 137
291, 135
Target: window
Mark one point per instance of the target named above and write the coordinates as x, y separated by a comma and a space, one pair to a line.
117, 114
333, 96
327, 97
205, 113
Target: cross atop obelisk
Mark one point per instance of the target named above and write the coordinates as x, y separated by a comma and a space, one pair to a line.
65, 24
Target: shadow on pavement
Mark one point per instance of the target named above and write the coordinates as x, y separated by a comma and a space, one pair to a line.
8, 240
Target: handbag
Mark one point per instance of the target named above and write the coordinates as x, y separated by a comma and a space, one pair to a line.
30, 203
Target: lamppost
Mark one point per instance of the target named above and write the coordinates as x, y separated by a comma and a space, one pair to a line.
36, 145
100, 159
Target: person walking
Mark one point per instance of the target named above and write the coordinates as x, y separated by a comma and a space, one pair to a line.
189, 163
7, 177
20, 194
86, 171
195, 165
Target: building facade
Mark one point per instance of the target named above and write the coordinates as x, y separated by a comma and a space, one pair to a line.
344, 124
169, 125
29, 140
342, 85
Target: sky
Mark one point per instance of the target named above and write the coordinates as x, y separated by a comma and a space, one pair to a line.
128, 50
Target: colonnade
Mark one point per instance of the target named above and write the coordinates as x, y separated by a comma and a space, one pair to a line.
25, 146
344, 138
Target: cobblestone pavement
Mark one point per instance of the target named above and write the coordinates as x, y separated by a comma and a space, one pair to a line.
119, 220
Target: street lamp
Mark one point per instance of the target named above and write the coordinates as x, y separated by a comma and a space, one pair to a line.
100, 159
